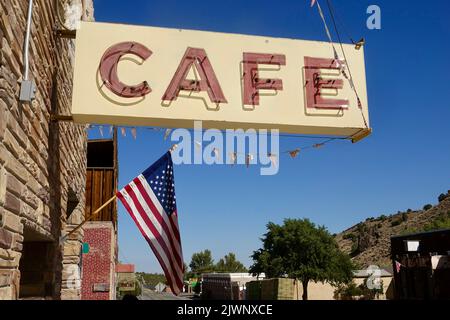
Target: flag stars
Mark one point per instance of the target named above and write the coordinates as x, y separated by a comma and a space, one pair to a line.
162, 184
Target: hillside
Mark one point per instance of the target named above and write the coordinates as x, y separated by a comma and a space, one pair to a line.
369, 242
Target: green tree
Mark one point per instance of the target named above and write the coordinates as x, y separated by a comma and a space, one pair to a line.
202, 262
229, 263
187, 273
301, 250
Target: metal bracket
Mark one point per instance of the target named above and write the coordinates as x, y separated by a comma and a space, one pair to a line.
66, 34
361, 135
56, 117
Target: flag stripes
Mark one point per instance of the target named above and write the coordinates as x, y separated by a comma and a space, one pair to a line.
156, 220
148, 208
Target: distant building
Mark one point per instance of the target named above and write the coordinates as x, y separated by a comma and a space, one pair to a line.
291, 289
126, 278
226, 286
325, 291
385, 277
422, 265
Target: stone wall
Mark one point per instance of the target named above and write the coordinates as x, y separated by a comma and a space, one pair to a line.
42, 162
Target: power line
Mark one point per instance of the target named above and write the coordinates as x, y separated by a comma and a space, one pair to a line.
338, 17
352, 84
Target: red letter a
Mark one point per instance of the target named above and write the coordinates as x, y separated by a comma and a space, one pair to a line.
207, 79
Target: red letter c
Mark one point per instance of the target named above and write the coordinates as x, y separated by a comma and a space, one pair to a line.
108, 69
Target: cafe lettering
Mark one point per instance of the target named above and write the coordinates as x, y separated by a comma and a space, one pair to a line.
128, 75
197, 58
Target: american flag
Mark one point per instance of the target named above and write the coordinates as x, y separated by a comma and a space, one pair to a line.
150, 200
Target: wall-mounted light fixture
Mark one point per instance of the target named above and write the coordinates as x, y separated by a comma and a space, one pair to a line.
360, 43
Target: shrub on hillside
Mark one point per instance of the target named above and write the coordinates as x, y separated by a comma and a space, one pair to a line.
440, 223
442, 197
350, 236
404, 216
427, 207
396, 223
355, 249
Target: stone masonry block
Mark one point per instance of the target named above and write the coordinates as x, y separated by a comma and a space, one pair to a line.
72, 248
6, 293
3, 119
12, 202
14, 185
10, 221
5, 278
12, 145
6, 238
2, 185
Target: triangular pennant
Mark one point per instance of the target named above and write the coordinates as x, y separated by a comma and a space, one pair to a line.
167, 133
273, 159
294, 153
318, 145
134, 133
100, 129
216, 153
398, 266
248, 160
233, 157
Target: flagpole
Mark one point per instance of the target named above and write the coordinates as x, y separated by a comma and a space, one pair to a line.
64, 238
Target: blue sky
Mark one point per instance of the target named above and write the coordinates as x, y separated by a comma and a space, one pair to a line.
404, 164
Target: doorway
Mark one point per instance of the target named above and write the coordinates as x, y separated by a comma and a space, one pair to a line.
36, 267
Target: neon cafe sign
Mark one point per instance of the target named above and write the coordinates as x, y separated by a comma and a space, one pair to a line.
128, 75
